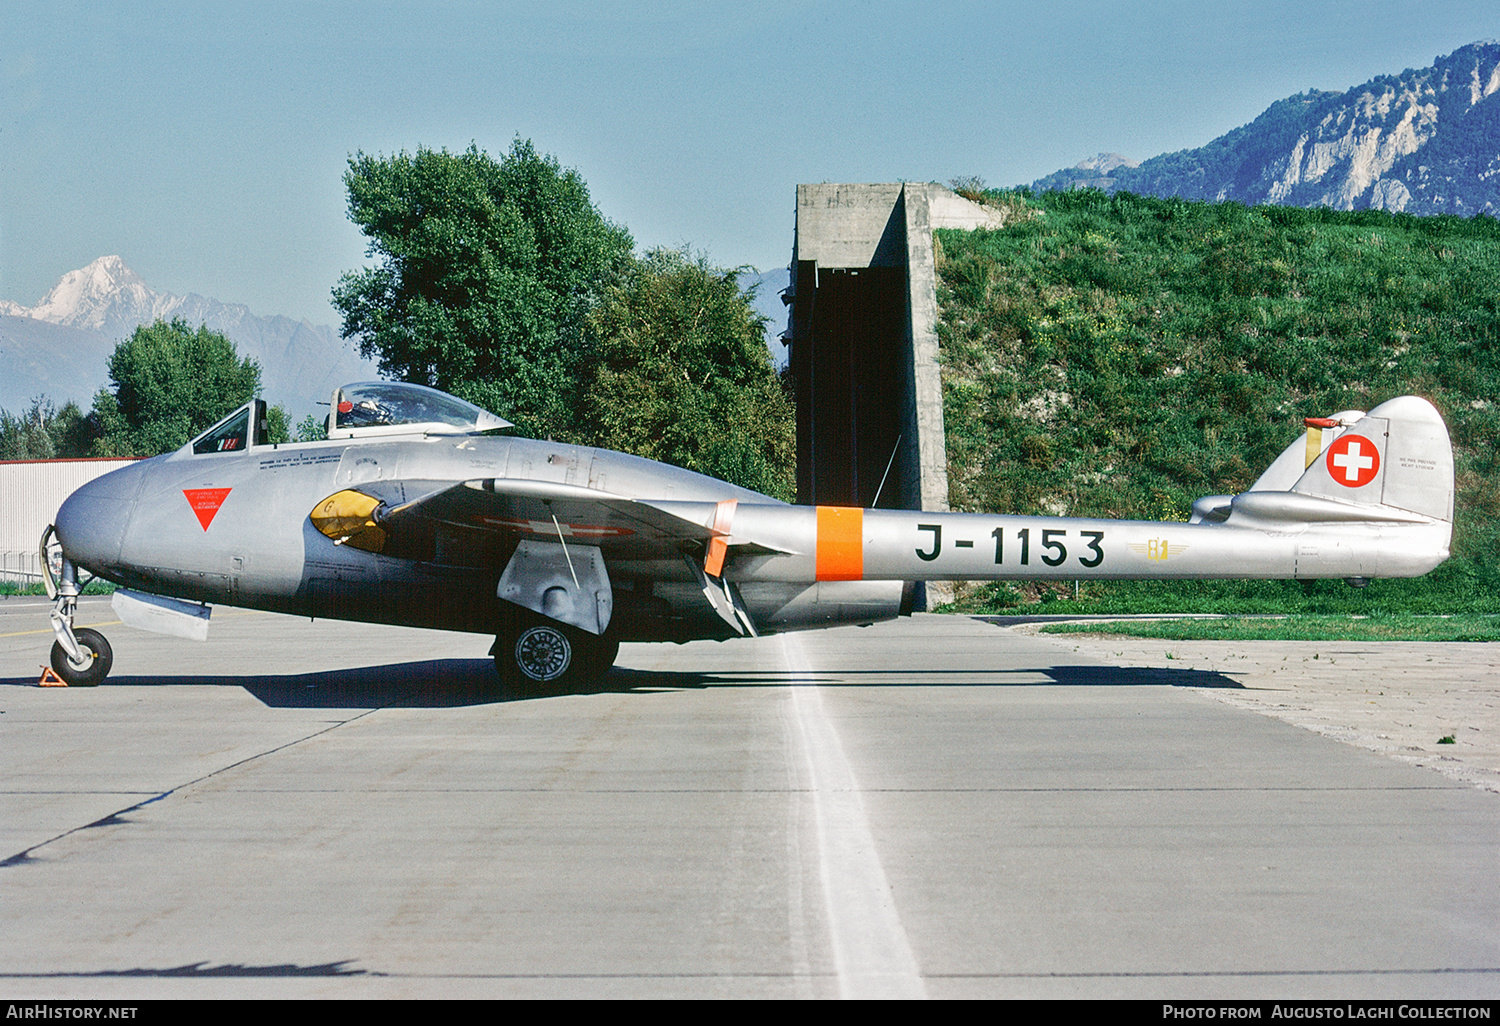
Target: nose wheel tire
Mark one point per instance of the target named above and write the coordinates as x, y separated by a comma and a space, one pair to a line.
97, 659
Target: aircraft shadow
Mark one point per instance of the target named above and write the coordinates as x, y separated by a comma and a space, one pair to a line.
1067, 676
200, 970
451, 683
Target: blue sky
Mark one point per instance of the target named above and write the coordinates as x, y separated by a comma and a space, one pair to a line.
206, 142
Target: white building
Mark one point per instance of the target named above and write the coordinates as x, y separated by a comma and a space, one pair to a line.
30, 493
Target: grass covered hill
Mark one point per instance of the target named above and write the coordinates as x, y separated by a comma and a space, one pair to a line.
1119, 356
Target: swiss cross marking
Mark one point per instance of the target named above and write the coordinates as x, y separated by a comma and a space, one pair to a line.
1353, 461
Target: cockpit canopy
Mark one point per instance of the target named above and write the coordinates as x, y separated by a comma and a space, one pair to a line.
360, 411
237, 432
394, 408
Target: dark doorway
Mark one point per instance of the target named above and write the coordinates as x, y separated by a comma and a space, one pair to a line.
851, 401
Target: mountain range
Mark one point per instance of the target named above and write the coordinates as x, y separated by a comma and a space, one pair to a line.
1426, 141
60, 347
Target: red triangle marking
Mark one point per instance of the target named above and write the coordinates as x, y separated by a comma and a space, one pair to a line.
206, 502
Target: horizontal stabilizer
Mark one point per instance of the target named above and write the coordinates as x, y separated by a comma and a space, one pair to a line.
1299, 508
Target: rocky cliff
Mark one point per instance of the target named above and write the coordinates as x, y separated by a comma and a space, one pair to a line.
1426, 141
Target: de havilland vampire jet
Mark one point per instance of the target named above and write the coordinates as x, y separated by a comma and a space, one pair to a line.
414, 512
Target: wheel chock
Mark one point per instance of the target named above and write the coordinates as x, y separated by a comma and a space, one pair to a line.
50, 679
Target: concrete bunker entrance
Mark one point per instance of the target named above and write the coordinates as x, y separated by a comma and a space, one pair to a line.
864, 349
855, 388
863, 338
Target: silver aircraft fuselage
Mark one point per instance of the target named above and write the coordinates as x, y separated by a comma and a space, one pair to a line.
461, 531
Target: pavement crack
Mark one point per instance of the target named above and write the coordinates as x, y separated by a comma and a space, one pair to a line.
116, 818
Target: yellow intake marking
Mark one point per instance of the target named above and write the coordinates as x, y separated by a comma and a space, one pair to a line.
348, 517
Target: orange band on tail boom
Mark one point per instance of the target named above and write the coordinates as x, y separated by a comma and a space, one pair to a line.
841, 544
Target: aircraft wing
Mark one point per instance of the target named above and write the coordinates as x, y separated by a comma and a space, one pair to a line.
376, 514
546, 509
545, 520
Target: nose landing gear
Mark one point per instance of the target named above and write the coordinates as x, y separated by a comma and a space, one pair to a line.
80, 656
93, 664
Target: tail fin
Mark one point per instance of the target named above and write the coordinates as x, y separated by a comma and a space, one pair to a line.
1288, 468
1394, 463
1397, 455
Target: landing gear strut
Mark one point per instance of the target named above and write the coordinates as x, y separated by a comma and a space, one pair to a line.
537, 654
80, 656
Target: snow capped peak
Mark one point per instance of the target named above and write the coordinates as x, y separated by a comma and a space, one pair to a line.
111, 269
106, 301
100, 297
1104, 163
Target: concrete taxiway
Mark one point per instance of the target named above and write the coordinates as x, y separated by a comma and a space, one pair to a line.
934, 807
1431, 704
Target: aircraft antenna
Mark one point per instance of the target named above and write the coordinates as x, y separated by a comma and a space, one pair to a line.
565, 551
894, 449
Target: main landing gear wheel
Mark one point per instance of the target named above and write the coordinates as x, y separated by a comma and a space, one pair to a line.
551, 656
97, 659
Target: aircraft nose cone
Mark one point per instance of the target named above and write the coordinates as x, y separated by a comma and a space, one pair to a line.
91, 522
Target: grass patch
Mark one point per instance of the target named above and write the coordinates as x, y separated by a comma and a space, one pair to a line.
1299, 628
97, 586
1119, 356
1452, 589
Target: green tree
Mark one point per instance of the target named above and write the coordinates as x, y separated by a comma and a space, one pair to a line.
681, 374
44, 432
488, 269
170, 383
312, 430
278, 428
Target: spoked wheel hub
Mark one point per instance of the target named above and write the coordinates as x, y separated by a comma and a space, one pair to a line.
543, 653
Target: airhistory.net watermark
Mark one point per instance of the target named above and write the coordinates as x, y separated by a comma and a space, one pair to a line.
44, 1010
